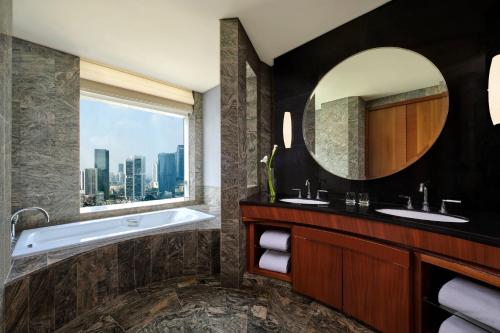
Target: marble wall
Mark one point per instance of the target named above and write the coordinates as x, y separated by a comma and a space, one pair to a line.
45, 133
196, 150
5, 134
251, 124
339, 137
48, 298
236, 52
424, 92
46, 138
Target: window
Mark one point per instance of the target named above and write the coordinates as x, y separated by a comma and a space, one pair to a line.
130, 154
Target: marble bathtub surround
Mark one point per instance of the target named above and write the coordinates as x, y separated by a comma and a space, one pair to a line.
236, 52
70, 287
24, 266
201, 305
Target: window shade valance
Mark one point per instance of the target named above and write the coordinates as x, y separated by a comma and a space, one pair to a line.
102, 80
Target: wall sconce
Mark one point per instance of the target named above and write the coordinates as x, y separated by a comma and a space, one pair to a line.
494, 90
287, 129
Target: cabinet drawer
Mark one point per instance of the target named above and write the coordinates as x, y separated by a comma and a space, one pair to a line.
381, 251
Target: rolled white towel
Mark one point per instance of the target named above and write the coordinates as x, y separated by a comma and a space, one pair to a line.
455, 324
275, 261
474, 300
275, 240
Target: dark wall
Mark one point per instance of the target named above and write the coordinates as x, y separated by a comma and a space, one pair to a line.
460, 38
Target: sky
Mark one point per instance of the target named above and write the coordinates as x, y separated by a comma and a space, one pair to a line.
126, 131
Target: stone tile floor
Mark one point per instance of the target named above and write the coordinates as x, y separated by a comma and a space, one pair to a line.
201, 305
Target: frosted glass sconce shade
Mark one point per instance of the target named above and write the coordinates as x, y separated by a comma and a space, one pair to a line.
287, 129
494, 90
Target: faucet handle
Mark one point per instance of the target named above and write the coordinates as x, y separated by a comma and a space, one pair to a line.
408, 203
318, 194
443, 204
298, 190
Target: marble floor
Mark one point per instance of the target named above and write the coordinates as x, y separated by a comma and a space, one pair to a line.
201, 305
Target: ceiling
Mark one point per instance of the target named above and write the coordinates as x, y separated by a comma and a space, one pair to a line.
176, 41
377, 73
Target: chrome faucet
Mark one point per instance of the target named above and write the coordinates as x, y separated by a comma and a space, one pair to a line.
308, 184
15, 218
425, 203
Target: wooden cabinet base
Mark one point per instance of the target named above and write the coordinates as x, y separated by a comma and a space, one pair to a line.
365, 268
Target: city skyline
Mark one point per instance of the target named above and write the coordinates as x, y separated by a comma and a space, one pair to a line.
126, 131
99, 186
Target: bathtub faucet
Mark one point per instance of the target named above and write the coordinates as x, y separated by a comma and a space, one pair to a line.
15, 218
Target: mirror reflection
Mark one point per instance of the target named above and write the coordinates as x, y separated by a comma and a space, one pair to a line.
375, 113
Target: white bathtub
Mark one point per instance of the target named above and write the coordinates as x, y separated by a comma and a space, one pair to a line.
41, 240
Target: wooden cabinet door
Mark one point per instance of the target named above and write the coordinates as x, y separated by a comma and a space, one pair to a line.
377, 290
386, 142
317, 270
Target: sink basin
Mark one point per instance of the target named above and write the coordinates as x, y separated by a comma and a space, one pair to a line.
304, 201
413, 214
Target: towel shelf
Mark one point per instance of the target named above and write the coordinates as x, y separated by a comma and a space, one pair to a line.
451, 311
432, 272
255, 229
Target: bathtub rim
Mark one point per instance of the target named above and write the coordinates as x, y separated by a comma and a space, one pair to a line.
114, 239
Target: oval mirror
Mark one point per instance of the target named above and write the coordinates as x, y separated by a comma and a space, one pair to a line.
375, 113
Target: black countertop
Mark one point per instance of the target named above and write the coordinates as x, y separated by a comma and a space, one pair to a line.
483, 227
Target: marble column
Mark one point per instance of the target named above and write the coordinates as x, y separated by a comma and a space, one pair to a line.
5, 143
236, 53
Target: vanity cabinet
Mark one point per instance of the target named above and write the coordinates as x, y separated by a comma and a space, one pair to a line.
366, 279
383, 274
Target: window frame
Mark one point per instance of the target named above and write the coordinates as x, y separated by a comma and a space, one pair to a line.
145, 107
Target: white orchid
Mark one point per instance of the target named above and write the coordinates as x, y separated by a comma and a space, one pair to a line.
268, 162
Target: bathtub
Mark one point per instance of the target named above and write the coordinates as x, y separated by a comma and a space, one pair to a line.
46, 239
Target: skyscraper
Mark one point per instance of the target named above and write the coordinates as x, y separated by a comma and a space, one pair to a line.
129, 178
166, 172
154, 177
82, 181
121, 173
90, 181
179, 163
101, 163
139, 177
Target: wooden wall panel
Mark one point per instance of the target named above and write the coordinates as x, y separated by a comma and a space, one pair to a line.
400, 133
386, 140
424, 121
